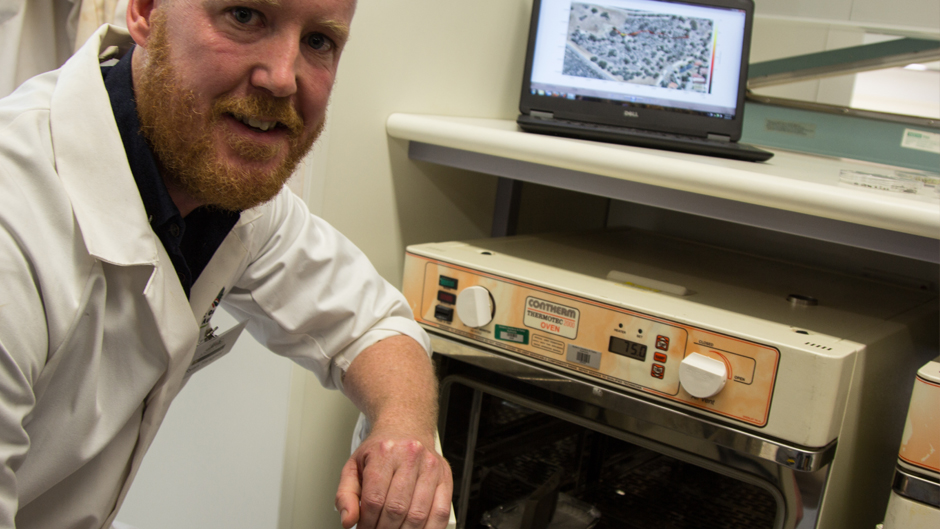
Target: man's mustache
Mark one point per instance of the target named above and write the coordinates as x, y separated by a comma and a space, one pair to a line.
279, 109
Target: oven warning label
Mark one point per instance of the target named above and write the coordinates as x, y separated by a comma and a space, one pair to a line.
551, 317
512, 334
548, 344
585, 357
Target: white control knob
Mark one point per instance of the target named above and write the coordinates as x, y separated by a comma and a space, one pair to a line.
474, 306
702, 376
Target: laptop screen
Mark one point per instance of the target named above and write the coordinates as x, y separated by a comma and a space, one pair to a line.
663, 55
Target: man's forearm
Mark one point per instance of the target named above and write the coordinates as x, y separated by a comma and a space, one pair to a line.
395, 478
393, 383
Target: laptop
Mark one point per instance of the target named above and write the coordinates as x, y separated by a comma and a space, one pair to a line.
652, 73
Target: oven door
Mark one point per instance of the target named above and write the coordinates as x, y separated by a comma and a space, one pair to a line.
523, 439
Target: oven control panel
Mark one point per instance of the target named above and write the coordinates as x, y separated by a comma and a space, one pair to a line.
713, 372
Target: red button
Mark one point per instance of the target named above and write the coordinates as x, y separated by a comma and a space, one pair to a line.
660, 357
446, 297
662, 342
658, 371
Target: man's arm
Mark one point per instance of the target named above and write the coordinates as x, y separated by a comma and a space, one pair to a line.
395, 478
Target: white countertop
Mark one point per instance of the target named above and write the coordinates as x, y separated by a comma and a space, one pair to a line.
799, 183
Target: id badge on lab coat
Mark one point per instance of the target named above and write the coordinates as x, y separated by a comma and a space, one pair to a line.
214, 348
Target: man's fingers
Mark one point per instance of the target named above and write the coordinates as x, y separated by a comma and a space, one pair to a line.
399, 499
439, 516
421, 513
347, 494
401, 485
386, 493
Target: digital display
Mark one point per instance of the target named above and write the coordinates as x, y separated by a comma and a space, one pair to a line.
636, 351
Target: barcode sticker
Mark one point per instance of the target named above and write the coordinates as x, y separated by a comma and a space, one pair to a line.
585, 357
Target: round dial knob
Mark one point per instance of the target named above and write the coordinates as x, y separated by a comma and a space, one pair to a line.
475, 306
702, 376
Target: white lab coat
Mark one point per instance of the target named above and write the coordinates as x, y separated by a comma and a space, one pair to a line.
96, 333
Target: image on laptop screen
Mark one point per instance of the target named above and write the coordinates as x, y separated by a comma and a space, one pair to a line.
641, 53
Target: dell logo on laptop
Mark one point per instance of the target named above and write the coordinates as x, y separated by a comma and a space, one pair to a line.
631, 114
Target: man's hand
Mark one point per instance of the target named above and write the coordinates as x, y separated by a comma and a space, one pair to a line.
394, 481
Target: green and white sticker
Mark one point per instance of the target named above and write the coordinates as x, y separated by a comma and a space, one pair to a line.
512, 334
921, 140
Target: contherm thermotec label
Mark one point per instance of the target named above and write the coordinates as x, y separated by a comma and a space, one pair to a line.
551, 317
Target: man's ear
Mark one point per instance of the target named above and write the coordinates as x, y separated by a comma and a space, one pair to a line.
138, 20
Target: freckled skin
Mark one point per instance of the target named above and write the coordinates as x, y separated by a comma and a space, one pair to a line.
225, 48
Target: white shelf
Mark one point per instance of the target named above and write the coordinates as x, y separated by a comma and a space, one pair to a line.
793, 193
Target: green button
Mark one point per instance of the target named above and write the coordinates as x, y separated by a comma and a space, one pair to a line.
447, 282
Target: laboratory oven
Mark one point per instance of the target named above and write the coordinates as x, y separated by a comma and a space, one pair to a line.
626, 379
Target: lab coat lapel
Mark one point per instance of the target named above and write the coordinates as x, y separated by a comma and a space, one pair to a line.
105, 199
180, 334
112, 219
215, 279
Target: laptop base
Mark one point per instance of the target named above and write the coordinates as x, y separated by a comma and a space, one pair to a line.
642, 138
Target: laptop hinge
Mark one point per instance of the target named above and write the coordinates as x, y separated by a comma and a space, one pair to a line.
541, 115
719, 137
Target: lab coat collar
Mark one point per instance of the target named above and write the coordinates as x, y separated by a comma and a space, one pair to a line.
105, 198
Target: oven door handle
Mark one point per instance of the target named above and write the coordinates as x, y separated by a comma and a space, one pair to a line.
916, 488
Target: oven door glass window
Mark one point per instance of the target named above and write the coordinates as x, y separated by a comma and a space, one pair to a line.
524, 460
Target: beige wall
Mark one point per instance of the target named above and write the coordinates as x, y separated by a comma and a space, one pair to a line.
425, 56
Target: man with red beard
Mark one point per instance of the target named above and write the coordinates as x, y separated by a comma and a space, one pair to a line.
142, 186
